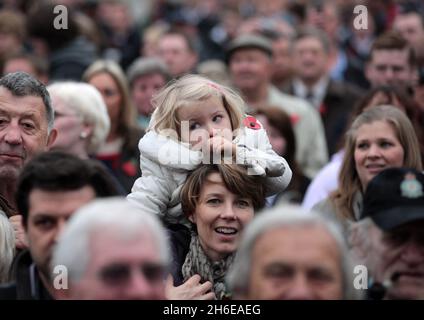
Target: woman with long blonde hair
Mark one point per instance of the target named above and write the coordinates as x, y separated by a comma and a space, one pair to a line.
379, 138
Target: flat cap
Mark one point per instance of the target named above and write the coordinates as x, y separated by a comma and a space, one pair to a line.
249, 41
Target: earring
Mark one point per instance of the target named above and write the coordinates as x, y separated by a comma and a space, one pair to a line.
83, 135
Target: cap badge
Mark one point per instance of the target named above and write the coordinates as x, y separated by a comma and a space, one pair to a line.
411, 187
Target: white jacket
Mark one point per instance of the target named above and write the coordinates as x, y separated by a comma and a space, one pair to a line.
166, 162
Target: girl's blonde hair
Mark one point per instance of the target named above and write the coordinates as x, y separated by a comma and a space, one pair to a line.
187, 90
349, 183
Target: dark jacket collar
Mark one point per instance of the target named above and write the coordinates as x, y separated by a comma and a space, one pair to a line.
28, 282
5, 205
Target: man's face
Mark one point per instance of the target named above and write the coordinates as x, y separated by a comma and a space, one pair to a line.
143, 89
23, 132
419, 96
48, 214
121, 268
389, 67
410, 27
298, 262
19, 64
250, 69
9, 43
309, 59
401, 260
282, 60
174, 50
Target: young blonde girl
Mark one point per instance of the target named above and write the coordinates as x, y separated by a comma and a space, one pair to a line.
196, 119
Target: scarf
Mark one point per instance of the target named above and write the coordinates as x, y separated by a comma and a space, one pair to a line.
196, 262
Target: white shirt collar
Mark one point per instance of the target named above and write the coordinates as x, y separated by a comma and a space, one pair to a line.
318, 90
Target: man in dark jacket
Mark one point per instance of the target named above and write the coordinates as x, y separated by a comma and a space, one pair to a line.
26, 129
51, 188
311, 81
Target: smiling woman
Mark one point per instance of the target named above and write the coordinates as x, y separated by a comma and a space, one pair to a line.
219, 200
379, 138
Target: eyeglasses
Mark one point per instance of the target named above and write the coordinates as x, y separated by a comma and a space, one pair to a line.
58, 114
120, 274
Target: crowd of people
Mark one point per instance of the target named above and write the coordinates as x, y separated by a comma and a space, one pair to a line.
215, 150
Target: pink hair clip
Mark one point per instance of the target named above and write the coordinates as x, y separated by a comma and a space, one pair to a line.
216, 87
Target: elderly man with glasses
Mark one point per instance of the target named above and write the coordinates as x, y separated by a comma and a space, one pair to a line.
110, 250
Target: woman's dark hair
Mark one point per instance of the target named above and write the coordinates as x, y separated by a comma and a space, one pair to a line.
235, 179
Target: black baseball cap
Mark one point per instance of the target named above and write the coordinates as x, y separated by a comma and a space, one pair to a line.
395, 197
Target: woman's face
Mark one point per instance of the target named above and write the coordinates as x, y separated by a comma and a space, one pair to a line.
110, 92
376, 148
278, 142
220, 218
69, 126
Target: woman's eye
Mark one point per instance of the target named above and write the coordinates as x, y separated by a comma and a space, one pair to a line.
385, 144
362, 146
214, 201
109, 92
243, 203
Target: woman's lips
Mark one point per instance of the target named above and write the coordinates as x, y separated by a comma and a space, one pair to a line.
227, 231
375, 168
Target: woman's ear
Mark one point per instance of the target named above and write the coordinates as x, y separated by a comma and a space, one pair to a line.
86, 131
192, 218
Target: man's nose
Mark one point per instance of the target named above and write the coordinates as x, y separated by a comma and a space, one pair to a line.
13, 134
413, 253
300, 289
139, 288
60, 228
389, 74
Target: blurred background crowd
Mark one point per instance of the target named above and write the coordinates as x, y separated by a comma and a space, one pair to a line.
314, 80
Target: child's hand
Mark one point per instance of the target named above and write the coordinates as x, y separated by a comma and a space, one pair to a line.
220, 145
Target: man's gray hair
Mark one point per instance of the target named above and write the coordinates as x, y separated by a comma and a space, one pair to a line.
287, 216
73, 247
144, 66
22, 84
